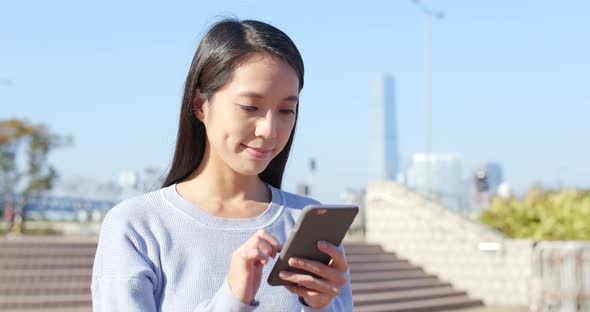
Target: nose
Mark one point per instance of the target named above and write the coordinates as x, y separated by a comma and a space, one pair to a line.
266, 126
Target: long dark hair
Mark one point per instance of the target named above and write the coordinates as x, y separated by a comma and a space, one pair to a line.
227, 44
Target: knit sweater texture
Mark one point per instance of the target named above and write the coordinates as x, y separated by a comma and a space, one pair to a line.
158, 252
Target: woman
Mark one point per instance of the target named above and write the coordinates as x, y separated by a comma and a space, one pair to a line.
208, 239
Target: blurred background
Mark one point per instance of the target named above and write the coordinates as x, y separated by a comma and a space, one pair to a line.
457, 127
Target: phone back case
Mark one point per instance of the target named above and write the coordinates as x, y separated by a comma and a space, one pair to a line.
322, 222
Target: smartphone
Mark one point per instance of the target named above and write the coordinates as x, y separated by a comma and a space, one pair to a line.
317, 222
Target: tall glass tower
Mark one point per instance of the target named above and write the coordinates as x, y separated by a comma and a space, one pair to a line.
383, 154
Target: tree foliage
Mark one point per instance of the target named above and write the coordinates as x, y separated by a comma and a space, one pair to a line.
24, 147
542, 215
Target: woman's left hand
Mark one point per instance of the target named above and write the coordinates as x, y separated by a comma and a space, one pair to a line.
318, 292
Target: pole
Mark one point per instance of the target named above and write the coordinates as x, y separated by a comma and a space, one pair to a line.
427, 108
428, 13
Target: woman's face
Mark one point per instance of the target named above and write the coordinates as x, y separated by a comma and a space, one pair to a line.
250, 118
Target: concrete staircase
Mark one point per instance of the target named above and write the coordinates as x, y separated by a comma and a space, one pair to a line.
46, 274
49, 274
383, 282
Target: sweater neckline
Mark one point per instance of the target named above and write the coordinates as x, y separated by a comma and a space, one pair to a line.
268, 216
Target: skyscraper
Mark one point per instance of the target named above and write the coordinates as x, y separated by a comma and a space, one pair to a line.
383, 153
438, 176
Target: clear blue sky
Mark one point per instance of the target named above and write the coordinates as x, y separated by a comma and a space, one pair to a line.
510, 81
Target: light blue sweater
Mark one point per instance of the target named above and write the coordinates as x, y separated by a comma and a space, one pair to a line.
158, 252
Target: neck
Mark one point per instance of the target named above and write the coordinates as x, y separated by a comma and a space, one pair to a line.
215, 181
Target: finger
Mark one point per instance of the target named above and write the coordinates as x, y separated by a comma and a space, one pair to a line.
255, 255
262, 245
302, 291
326, 272
338, 261
276, 245
310, 282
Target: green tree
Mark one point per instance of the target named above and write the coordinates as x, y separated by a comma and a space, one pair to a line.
24, 169
542, 215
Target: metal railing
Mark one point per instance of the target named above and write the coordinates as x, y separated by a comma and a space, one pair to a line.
561, 277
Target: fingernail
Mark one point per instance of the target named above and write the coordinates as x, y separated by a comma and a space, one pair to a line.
322, 244
283, 274
296, 261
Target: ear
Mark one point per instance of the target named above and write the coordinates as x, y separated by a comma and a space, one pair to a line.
198, 105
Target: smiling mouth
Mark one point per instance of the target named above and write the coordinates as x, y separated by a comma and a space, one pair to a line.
258, 152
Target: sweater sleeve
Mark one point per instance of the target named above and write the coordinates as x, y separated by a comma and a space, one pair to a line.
224, 300
124, 277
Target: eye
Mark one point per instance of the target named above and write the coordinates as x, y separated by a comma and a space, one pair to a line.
288, 111
248, 108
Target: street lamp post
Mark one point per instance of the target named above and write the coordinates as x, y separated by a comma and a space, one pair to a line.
428, 14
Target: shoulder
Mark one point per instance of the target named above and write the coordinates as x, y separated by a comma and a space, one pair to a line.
295, 201
134, 224
135, 210
129, 242
293, 204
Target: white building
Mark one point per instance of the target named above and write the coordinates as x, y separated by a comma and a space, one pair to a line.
438, 176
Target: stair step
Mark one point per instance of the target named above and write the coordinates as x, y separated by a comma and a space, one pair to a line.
405, 295
13, 302
429, 305
49, 241
49, 251
46, 263
36, 276
384, 257
49, 288
45, 309
388, 276
372, 287
363, 249
381, 266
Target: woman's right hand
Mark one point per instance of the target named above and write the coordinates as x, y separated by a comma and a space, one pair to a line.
245, 270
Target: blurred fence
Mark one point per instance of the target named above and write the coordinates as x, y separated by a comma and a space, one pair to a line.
60, 208
561, 277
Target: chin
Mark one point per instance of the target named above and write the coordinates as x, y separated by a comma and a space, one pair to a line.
251, 171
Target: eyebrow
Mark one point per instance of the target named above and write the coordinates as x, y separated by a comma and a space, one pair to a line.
292, 98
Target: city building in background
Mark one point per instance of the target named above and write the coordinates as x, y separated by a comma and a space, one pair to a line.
383, 142
486, 182
438, 176
489, 176
128, 184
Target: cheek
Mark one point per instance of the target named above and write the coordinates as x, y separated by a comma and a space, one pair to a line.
286, 130
237, 130
224, 136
